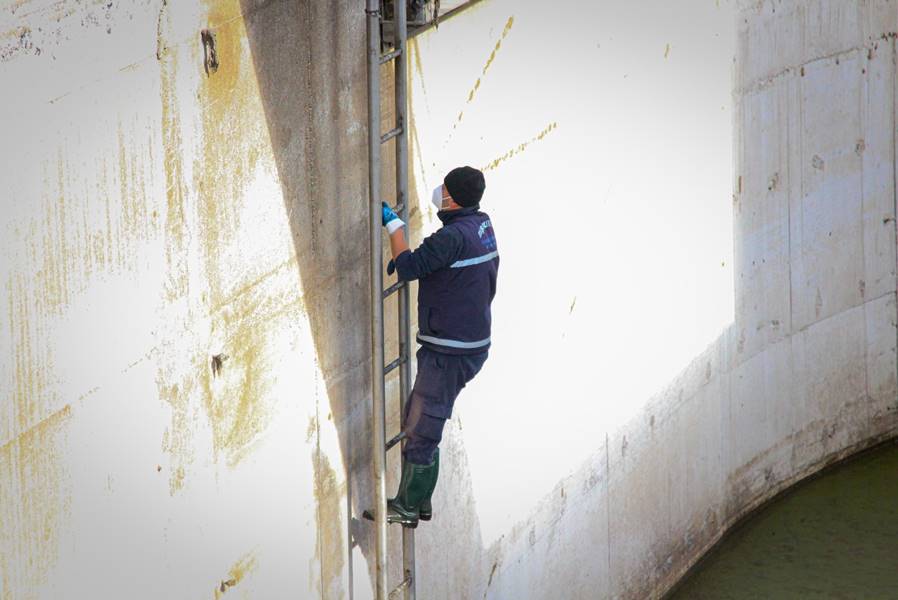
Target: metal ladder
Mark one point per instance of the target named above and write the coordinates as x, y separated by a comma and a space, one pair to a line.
379, 372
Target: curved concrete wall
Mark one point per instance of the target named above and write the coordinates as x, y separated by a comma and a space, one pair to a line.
807, 372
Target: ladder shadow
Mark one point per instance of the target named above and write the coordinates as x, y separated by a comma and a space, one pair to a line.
311, 81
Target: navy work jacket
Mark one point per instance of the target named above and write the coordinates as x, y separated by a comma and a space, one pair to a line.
456, 267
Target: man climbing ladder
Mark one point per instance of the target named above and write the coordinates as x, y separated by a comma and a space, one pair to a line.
456, 268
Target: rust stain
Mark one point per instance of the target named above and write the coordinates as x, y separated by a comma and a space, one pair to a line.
177, 440
174, 389
234, 141
232, 111
133, 212
33, 392
508, 25
489, 61
520, 148
237, 400
415, 214
236, 403
329, 543
250, 285
86, 220
236, 574
175, 186
415, 64
33, 505
473, 90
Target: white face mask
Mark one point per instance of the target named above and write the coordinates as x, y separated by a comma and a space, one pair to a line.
437, 198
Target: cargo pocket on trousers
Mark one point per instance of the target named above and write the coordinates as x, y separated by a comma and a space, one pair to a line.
434, 387
430, 428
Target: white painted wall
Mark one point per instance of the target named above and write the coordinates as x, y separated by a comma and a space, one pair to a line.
605, 132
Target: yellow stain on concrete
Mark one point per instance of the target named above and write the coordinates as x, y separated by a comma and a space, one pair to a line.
176, 277
134, 216
89, 213
415, 210
33, 506
520, 148
32, 392
235, 144
489, 61
508, 25
235, 575
235, 404
474, 90
237, 398
177, 440
235, 140
329, 544
290, 263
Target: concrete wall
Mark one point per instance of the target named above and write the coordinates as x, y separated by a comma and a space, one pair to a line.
156, 215
806, 374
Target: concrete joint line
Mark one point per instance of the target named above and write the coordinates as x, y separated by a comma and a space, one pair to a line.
762, 84
742, 360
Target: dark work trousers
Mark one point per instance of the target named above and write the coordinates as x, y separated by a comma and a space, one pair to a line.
439, 380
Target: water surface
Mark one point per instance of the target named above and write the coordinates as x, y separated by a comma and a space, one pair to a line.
833, 537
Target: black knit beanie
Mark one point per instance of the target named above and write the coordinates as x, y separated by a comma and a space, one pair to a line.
465, 185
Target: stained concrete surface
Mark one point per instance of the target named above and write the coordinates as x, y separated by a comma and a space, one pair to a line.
186, 341
835, 536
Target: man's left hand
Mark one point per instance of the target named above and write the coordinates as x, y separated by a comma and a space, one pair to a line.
390, 219
388, 214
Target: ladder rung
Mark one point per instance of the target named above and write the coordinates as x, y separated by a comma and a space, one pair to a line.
390, 55
393, 288
399, 588
390, 135
394, 364
398, 438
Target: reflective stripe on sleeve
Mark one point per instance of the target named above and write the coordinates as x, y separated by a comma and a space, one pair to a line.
474, 261
453, 343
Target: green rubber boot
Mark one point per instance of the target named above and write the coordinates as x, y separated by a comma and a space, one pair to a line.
426, 510
413, 486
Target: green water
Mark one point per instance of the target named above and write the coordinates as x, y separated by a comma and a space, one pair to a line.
832, 537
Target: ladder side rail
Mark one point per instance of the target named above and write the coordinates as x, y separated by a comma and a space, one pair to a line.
400, 78
378, 434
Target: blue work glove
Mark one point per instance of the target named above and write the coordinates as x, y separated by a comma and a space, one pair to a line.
388, 213
390, 219
391, 267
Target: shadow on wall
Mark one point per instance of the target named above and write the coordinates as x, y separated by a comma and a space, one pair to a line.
309, 64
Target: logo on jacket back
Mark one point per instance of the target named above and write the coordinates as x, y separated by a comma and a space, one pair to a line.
485, 233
